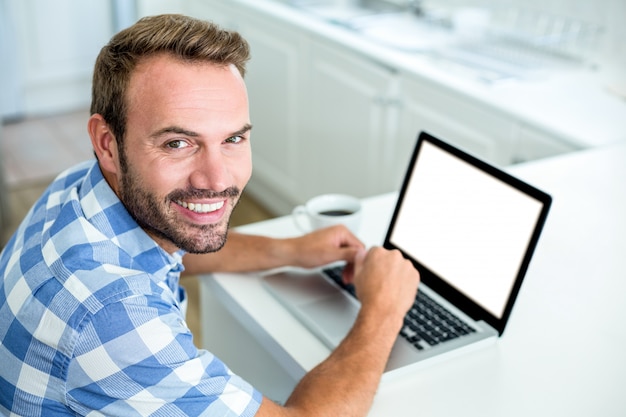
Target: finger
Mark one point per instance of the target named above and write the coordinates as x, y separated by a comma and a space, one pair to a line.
349, 254
359, 260
348, 273
345, 237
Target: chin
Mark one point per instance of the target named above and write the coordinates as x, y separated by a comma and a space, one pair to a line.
198, 240
199, 249
210, 240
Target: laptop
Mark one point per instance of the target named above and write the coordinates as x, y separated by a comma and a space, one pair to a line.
468, 227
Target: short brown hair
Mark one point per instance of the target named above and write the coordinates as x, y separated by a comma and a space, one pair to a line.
183, 37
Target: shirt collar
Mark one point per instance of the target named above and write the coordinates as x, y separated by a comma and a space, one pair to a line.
103, 208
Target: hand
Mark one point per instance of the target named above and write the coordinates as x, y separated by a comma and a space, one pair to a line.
386, 284
385, 281
323, 246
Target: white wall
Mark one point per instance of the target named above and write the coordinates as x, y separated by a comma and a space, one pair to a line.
48, 48
55, 46
10, 96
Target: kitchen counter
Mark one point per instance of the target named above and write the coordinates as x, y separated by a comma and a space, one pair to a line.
572, 105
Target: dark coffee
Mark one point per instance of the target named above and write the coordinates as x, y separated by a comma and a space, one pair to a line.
336, 213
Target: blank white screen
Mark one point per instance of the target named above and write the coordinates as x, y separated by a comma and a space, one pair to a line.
468, 227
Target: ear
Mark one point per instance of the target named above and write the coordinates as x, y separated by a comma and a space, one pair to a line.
104, 145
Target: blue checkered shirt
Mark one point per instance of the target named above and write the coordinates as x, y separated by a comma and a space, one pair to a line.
91, 320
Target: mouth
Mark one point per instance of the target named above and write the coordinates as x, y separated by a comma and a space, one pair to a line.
201, 208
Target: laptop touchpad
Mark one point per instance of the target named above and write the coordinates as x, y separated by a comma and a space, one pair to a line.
333, 316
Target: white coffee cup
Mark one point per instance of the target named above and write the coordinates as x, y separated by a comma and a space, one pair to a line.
327, 210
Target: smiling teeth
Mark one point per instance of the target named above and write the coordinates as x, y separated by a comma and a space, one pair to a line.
201, 208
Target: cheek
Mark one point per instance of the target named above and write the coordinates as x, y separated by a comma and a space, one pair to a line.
245, 169
159, 179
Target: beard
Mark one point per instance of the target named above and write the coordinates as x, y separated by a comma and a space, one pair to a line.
156, 218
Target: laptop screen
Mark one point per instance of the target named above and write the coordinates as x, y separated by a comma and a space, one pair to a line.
469, 225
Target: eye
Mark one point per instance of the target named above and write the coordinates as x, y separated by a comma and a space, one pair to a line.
234, 139
176, 144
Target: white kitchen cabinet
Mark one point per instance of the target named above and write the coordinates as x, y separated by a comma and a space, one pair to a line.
275, 84
362, 118
423, 106
344, 122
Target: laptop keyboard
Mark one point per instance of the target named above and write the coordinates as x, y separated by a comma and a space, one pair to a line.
426, 324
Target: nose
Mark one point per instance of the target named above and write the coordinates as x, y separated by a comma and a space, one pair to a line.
210, 171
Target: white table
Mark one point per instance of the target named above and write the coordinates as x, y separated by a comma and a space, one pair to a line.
563, 352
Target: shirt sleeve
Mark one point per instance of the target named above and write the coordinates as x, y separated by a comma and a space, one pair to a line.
136, 357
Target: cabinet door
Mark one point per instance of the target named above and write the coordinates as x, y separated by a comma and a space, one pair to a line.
344, 123
274, 85
451, 117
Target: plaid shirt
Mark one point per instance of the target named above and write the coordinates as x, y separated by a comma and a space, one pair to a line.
91, 320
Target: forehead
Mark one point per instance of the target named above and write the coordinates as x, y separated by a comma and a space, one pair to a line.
166, 89
164, 77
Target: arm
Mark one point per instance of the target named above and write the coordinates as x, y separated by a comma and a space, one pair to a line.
145, 364
243, 252
346, 382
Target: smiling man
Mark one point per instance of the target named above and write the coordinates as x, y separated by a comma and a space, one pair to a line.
92, 317
186, 153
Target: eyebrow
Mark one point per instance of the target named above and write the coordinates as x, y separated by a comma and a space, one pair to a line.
181, 131
174, 129
246, 128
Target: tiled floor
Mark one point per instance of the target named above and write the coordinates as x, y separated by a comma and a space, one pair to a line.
34, 151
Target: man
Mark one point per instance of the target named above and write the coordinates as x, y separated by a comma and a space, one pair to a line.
91, 321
